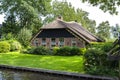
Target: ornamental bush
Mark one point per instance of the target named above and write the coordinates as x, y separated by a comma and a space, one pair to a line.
96, 62
107, 46
67, 51
64, 51
39, 50
75, 51
14, 45
4, 47
55, 50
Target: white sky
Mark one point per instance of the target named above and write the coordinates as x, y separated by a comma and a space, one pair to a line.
1, 18
94, 13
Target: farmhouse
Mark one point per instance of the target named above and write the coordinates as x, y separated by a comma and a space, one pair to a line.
60, 33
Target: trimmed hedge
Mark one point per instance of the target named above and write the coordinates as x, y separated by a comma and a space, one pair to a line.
68, 51
63, 51
4, 47
39, 50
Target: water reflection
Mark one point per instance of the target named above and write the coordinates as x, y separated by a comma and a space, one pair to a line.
6, 74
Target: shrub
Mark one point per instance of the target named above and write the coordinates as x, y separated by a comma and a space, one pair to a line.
95, 45
24, 37
4, 47
64, 51
97, 63
39, 50
14, 45
82, 51
67, 51
107, 46
55, 49
75, 51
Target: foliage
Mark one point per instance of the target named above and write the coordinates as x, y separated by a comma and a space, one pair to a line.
107, 46
95, 45
8, 36
4, 47
105, 5
39, 51
97, 63
55, 49
75, 51
14, 45
64, 51
83, 51
24, 13
103, 30
69, 13
10, 25
24, 36
68, 51
115, 30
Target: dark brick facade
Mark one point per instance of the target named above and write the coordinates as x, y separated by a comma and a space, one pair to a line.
67, 42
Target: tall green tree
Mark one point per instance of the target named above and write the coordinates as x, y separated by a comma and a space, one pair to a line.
10, 25
27, 12
69, 13
115, 30
105, 5
24, 36
103, 30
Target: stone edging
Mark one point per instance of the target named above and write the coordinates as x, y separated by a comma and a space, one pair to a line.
58, 73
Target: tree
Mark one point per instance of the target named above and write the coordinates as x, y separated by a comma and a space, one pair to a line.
26, 12
116, 30
24, 36
10, 25
105, 5
103, 30
67, 11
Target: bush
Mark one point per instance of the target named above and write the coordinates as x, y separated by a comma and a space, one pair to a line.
75, 51
24, 37
107, 46
67, 51
55, 50
14, 45
4, 47
95, 45
82, 51
39, 50
64, 51
97, 63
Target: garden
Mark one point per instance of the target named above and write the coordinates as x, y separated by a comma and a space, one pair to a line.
90, 60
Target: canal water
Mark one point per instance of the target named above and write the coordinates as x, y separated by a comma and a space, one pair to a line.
7, 74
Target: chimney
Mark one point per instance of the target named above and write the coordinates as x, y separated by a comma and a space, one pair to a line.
59, 18
76, 21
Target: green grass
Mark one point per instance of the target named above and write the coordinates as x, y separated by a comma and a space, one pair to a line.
62, 63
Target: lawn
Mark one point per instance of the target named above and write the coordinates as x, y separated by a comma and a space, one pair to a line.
62, 63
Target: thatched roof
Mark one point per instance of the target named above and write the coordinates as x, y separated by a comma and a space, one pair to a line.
74, 28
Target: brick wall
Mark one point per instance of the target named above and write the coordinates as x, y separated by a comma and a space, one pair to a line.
67, 42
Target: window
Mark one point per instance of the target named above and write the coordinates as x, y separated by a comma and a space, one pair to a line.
36, 42
73, 42
61, 42
53, 42
43, 41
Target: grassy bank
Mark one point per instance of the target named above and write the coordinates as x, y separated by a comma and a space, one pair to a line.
62, 63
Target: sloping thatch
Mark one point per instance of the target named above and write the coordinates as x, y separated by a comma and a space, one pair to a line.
73, 28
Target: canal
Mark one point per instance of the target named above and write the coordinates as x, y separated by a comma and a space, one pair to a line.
23, 73
7, 74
